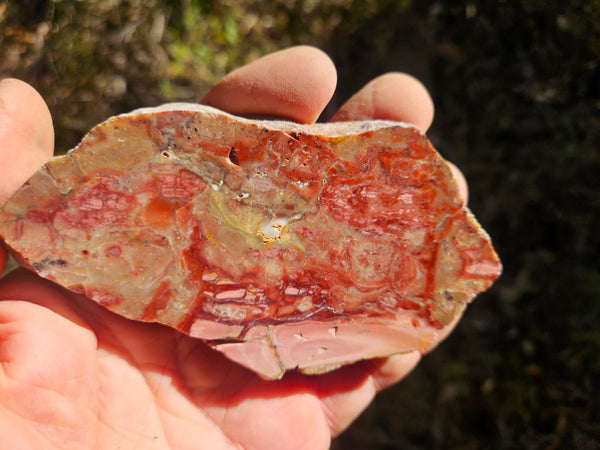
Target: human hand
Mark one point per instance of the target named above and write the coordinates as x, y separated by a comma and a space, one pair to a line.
73, 374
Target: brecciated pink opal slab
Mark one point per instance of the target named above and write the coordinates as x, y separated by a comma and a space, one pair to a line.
282, 245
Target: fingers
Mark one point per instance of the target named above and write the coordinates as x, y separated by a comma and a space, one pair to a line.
295, 84
393, 96
26, 134
394, 369
357, 385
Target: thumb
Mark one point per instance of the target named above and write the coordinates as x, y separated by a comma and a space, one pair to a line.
26, 134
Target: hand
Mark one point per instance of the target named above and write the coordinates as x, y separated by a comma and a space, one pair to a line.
73, 374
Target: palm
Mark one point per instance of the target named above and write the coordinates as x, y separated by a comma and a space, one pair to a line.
74, 375
78, 367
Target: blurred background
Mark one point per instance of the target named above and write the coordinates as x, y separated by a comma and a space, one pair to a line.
516, 86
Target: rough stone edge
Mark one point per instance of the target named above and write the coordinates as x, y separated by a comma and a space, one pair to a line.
333, 129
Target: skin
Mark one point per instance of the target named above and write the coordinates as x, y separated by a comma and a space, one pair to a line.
73, 375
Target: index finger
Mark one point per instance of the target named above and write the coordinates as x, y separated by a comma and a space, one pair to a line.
294, 84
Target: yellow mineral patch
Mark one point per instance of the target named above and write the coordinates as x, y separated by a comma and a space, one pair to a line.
262, 230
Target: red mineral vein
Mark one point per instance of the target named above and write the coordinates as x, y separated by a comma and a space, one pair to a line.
160, 301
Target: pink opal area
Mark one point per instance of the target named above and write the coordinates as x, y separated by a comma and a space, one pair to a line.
284, 246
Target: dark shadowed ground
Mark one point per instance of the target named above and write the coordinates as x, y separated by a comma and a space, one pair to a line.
517, 90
